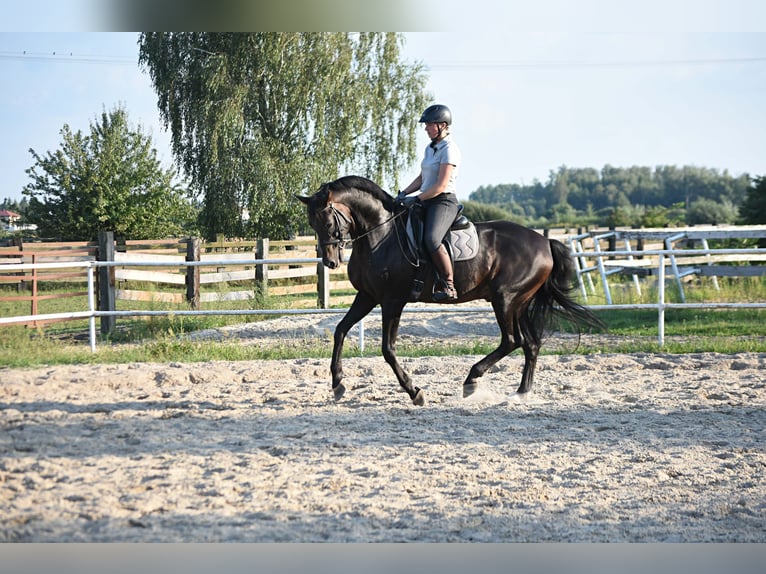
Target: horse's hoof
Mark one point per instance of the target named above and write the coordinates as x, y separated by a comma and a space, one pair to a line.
338, 391
520, 397
469, 389
420, 398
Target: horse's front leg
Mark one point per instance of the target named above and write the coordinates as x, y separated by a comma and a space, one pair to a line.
392, 312
361, 306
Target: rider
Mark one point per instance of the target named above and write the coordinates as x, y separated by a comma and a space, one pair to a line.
436, 182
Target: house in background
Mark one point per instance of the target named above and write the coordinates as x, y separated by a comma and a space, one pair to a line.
9, 217
9, 221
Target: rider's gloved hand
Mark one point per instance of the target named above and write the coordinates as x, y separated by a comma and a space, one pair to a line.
409, 200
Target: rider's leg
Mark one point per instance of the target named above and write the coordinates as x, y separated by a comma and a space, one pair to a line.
445, 288
440, 212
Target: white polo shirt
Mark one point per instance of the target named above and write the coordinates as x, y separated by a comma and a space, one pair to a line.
445, 151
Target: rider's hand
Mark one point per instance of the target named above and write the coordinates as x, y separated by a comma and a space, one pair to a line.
409, 200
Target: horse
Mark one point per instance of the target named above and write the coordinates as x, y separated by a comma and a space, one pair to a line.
527, 278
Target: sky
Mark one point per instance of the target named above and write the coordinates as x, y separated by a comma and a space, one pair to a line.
680, 83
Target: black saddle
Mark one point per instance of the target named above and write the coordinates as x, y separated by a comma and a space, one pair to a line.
461, 221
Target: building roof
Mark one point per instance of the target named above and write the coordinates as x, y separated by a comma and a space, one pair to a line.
9, 214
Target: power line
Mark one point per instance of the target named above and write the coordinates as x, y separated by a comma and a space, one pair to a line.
65, 58
500, 66
479, 66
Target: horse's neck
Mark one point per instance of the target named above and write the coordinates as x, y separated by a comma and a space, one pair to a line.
369, 215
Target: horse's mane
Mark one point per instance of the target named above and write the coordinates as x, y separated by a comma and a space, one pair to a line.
351, 182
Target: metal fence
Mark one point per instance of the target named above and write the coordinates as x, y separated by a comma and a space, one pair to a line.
603, 247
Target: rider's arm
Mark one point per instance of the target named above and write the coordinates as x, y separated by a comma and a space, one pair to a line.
445, 172
414, 186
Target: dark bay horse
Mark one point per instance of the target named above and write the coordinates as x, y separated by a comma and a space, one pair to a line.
526, 277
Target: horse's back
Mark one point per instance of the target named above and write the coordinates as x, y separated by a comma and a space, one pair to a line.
507, 233
512, 251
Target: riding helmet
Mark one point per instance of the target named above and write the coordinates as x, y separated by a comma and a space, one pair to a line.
436, 114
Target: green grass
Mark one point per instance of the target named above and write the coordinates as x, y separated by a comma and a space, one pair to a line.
161, 339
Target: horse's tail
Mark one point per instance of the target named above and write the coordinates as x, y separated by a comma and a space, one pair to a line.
554, 298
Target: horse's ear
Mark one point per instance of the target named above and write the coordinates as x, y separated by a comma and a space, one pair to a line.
303, 198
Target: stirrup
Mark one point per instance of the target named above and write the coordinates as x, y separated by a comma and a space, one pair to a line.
444, 291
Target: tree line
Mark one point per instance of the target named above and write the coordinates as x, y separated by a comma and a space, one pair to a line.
622, 196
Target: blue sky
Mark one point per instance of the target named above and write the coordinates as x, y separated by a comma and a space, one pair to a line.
664, 87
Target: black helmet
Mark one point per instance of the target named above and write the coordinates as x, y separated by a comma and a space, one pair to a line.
436, 114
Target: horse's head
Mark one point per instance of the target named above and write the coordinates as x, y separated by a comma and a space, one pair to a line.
332, 223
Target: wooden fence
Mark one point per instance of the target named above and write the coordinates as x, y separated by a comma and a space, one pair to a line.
235, 283
27, 283
308, 284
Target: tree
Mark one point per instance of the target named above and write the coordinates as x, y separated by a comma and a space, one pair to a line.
704, 210
109, 180
753, 208
476, 211
619, 194
255, 118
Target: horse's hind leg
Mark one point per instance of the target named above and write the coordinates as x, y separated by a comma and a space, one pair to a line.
361, 306
531, 352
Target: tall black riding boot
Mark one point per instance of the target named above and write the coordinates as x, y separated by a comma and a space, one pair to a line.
445, 286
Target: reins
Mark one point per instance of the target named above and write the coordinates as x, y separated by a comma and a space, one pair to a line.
339, 234
340, 240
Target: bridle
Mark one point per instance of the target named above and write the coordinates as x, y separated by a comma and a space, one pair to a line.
338, 237
343, 223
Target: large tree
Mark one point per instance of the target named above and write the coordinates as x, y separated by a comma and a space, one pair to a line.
753, 208
258, 117
109, 180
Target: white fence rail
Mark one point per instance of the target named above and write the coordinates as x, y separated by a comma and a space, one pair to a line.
663, 259
642, 260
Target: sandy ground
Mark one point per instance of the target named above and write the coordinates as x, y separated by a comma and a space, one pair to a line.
618, 448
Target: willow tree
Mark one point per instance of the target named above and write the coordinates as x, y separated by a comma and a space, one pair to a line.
255, 118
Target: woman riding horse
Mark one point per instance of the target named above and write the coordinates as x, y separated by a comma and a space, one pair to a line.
436, 182
526, 277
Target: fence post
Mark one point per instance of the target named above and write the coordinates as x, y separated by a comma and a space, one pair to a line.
19, 242
323, 286
262, 270
612, 240
106, 296
661, 300
193, 251
34, 289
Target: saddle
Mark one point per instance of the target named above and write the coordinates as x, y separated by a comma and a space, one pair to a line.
461, 242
